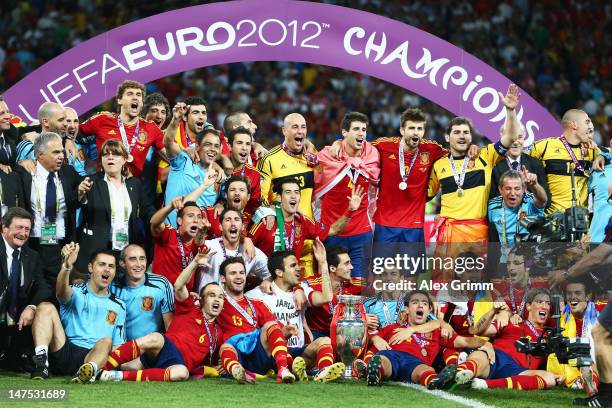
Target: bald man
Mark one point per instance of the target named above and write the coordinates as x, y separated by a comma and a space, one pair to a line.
52, 118
575, 150
291, 160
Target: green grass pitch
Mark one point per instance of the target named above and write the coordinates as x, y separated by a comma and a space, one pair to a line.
226, 393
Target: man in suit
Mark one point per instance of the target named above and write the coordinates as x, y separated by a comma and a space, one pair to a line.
515, 160
52, 199
22, 287
11, 192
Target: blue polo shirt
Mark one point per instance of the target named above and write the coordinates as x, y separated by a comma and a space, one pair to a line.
602, 210
184, 177
496, 214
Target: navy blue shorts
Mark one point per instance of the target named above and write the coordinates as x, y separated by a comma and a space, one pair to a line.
359, 248
316, 334
402, 364
68, 359
257, 361
504, 366
168, 356
296, 351
395, 234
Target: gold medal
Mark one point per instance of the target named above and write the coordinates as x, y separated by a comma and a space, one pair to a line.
460, 192
424, 352
130, 158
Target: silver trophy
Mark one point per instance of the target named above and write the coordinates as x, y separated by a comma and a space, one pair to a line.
350, 330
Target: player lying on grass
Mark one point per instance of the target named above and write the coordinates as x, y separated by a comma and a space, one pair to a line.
411, 359
506, 367
91, 320
190, 342
285, 270
254, 342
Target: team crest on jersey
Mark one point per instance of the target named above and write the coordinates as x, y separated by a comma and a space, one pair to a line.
111, 316
424, 158
147, 303
112, 132
298, 231
142, 137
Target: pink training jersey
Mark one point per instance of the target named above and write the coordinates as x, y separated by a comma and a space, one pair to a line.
404, 208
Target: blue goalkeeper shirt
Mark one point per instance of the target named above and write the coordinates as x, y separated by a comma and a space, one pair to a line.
87, 317
145, 304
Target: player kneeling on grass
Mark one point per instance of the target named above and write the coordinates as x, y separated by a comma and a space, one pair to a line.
285, 269
190, 342
411, 359
254, 340
506, 367
91, 320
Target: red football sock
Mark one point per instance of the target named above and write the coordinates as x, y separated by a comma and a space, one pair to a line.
124, 353
368, 355
520, 382
450, 356
325, 356
426, 377
228, 358
149, 374
468, 365
278, 345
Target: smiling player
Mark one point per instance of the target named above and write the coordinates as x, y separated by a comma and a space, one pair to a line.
191, 340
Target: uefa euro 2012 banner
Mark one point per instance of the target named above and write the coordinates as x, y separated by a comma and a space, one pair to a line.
278, 30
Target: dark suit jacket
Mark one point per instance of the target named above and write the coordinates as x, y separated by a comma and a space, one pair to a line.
13, 137
533, 165
95, 232
12, 190
34, 289
70, 184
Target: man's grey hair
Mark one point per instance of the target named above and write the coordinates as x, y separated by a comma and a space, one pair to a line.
501, 129
42, 142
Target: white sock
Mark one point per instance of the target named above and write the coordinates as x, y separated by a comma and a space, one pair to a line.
44, 350
118, 375
41, 350
95, 366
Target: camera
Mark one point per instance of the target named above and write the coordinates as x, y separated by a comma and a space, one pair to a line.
567, 226
574, 352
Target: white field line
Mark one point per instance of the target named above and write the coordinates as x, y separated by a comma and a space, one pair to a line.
447, 396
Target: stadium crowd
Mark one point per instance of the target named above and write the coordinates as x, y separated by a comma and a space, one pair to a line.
159, 242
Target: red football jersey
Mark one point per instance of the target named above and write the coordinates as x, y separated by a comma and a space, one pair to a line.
404, 208
104, 125
305, 229
233, 322
167, 256
254, 177
459, 321
335, 203
188, 333
516, 299
432, 343
506, 338
319, 318
215, 223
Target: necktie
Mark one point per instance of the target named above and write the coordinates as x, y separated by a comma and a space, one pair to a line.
51, 200
4, 151
13, 302
515, 165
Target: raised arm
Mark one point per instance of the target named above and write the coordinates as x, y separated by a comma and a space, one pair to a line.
172, 148
327, 293
63, 290
531, 182
511, 126
181, 292
484, 327
157, 220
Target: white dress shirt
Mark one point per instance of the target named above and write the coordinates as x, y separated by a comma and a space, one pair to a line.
38, 197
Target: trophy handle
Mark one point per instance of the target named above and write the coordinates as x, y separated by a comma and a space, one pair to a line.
366, 336
332, 329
